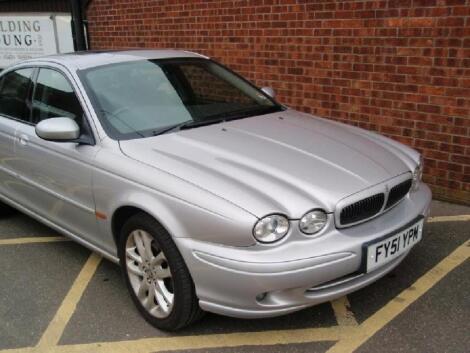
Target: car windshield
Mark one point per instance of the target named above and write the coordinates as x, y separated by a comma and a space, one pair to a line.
151, 97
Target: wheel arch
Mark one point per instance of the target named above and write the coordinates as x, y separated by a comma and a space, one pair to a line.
120, 217
124, 213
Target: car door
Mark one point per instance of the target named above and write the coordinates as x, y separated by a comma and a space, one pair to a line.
15, 87
57, 176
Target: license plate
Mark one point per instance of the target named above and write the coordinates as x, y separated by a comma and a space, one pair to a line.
385, 250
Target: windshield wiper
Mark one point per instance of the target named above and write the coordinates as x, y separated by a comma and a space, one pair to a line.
218, 118
245, 113
189, 124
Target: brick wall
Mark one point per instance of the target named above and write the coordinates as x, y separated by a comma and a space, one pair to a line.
399, 67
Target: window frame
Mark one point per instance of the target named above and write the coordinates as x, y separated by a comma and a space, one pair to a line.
28, 95
32, 96
32, 89
94, 101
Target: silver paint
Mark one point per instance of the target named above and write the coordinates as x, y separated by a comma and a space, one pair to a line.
209, 185
59, 129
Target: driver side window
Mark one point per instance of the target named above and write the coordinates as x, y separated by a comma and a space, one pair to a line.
54, 97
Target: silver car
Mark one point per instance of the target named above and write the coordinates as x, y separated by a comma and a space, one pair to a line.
209, 194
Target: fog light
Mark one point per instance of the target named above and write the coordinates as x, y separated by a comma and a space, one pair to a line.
261, 297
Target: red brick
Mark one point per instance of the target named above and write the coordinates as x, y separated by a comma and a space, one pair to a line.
437, 91
450, 166
452, 148
461, 140
426, 144
442, 173
434, 136
462, 122
451, 22
428, 108
460, 159
400, 67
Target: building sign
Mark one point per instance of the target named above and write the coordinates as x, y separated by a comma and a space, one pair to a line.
27, 36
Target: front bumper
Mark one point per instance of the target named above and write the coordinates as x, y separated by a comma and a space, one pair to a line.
264, 281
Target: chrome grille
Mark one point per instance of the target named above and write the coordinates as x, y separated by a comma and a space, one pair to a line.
371, 202
362, 210
398, 192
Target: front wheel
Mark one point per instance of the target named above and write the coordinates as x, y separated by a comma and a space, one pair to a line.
156, 275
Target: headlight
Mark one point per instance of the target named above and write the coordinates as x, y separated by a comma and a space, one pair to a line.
417, 174
313, 222
271, 228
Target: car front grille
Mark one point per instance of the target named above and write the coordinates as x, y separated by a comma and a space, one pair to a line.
398, 192
363, 206
362, 210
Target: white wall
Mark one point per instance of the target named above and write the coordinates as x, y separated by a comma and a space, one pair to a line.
24, 36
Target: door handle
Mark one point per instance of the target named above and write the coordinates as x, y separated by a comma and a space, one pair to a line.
23, 140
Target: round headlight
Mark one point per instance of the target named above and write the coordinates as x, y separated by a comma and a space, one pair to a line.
313, 222
271, 228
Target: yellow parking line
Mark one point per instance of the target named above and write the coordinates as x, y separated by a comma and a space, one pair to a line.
32, 240
459, 218
387, 313
184, 343
349, 335
344, 316
56, 327
21, 350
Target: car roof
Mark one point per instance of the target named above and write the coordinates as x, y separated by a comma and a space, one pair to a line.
88, 59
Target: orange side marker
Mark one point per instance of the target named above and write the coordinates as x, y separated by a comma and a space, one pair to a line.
100, 215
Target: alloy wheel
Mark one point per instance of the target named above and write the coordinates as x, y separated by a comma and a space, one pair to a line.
149, 274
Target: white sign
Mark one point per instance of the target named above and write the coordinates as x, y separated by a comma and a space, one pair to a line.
27, 36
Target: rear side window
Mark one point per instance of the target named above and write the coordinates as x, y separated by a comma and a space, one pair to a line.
14, 92
54, 97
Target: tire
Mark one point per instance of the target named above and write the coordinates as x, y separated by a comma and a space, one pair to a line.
159, 282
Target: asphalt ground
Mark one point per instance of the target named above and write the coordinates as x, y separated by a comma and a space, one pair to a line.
56, 296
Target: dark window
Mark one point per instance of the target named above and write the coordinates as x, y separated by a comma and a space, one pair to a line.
14, 91
54, 97
218, 91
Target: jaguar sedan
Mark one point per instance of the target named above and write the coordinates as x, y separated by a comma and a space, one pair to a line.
208, 193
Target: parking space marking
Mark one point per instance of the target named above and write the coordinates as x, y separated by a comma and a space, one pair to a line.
344, 316
32, 240
348, 334
459, 218
391, 310
56, 327
348, 338
160, 344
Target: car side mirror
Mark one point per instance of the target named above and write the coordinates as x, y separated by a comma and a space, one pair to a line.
58, 130
269, 91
